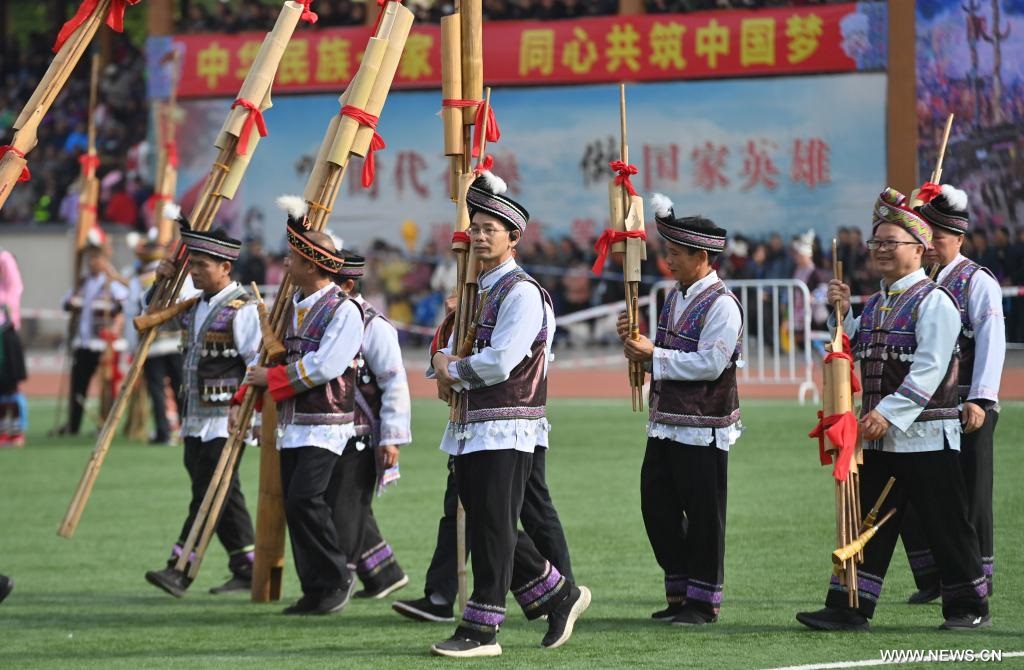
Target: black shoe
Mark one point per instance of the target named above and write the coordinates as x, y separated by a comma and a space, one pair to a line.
335, 601
461, 647
922, 596
833, 618
563, 617
966, 622
668, 613
424, 610
383, 591
691, 616
6, 586
304, 605
170, 580
234, 585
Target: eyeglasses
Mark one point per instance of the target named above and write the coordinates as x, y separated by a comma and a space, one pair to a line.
886, 245
486, 232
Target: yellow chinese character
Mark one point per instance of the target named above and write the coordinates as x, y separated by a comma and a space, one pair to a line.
803, 33
245, 56
757, 42
580, 53
415, 63
712, 42
667, 45
212, 63
622, 48
333, 60
294, 68
537, 51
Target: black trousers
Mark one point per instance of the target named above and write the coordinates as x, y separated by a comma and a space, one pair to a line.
932, 482
306, 474
538, 516
234, 528
976, 456
350, 492
83, 367
157, 370
683, 499
491, 485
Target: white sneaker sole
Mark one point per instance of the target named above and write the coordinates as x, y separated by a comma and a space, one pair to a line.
391, 589
575, 613
477, 652
420, 615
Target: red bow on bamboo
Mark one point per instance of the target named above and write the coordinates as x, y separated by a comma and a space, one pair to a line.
624, 171
90, 163
607, 239
172, 153
846, 354
25, 174
928, 191
255, 118
308, 15
493, 130
841, 430
115, 19
377, 143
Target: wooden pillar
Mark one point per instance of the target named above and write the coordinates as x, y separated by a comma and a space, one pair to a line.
631, 7
901, 97
159, 17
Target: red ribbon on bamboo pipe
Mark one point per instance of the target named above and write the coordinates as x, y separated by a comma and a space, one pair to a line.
493, 130
308, 15
841, 430
255, 118
90, 163
623, 171
115, 19
25, 174
607, 239
377, 143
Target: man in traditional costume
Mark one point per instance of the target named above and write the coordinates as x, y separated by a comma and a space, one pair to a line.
501, 422
906, 341
982, 344
221, 337
694, 418
315, 394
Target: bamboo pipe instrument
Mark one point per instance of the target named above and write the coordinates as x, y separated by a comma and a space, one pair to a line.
275, 349
848, 551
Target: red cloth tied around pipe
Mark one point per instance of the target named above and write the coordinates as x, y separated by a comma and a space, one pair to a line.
623, 171
607, 239
460, 236
928, 191
377, 143
89, 163
255, 118
308, 15
172, 153
486, 165
847, 354
25, 174
115, 19
493, 129
841, 430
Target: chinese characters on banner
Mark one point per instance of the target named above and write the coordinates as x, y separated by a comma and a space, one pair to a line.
733, 43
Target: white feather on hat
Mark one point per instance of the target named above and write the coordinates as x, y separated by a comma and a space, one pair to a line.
295, 205
662, 205
339, 243
495, 184
172, 211
956, 198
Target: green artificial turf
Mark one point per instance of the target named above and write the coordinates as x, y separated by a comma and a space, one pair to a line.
83, 603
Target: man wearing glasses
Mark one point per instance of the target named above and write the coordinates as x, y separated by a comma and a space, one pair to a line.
502, 421
906, 341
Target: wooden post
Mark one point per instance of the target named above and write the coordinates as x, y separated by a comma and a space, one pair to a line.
901, 96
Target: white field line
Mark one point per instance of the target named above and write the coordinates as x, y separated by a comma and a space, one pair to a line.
875, 662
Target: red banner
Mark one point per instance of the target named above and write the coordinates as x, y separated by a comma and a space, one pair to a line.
653, 47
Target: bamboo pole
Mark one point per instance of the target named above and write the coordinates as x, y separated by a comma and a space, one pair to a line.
211, 196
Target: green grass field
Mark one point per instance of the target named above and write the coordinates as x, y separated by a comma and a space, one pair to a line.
84, 603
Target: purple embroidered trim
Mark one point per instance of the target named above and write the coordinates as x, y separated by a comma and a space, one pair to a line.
467, 374
304, 419
486, 615
212, 248
498, 206
914, 394
695, 420
546, 584
687, 238
499, 413
977, 588
375, 558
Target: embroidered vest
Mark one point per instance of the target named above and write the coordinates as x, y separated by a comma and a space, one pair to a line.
213, 367
368, 393
698, 404
885, 344
958, 283
332, 403
524, 395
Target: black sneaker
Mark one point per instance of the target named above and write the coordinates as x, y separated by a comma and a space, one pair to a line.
424, 610
966, 622
833, 618
383, 591
691, 616
462, 647
922, 596
304, 605
668, 613
234, 585
170, 580
563, 617
335, 601
6, 586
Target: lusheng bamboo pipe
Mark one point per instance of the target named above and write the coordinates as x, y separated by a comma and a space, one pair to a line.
153, 319
869, 520
275, 349
848, 551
